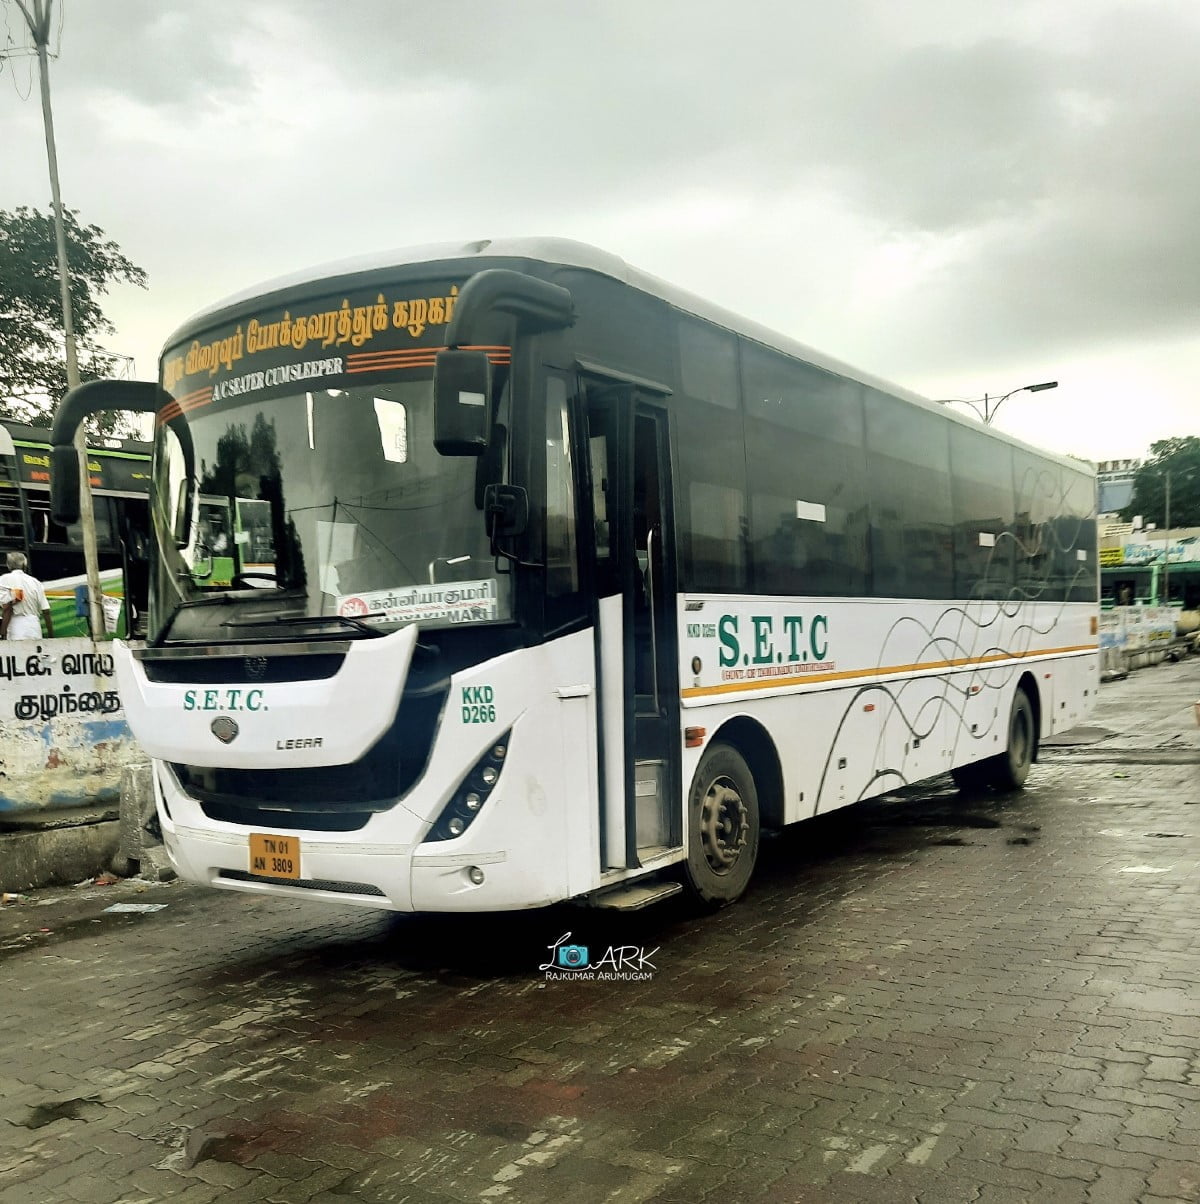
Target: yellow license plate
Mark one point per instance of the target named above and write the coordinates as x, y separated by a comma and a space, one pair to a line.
274, 856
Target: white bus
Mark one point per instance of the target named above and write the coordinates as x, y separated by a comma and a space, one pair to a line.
562, 583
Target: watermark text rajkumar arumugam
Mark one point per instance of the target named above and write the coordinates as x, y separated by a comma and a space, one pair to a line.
618, 963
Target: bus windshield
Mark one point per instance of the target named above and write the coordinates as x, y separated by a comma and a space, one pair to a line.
329, 503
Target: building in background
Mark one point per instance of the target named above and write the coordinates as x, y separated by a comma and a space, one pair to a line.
1140, 564
1114, 480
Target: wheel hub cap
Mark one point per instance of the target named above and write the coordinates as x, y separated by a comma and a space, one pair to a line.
724, 825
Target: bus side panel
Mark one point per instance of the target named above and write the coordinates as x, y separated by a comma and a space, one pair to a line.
864, 696
1076, 685
840, 745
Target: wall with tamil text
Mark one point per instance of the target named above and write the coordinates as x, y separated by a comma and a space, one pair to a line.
63, 736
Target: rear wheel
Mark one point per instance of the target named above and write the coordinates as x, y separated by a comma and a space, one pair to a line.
723, 827
1009, 770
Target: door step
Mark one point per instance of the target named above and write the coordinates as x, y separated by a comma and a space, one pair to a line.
634, 896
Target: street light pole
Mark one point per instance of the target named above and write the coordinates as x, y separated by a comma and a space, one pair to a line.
992, 404
39, 26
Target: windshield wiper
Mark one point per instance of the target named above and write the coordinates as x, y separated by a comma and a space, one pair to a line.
225, 598
306, 620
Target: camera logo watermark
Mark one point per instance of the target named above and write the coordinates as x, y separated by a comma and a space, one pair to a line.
618, 963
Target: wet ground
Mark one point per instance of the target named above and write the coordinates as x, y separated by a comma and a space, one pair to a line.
928, 997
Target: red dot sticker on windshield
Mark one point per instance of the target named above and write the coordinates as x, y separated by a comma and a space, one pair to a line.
353, 608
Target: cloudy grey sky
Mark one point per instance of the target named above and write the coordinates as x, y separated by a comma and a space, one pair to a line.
957, 195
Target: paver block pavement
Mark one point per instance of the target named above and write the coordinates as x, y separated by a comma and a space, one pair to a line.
906, 1006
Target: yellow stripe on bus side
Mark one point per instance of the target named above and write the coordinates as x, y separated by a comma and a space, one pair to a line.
808, 679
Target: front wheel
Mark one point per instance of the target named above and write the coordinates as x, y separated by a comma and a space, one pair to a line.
723, 827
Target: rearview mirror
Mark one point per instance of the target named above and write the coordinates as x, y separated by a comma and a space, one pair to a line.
91, 397
183, 513
462, 389
64, 484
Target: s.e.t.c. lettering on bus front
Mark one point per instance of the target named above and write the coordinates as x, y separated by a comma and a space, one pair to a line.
224, 700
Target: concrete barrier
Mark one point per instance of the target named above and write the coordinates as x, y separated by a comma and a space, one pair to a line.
80, 846
1132, 637
141, 848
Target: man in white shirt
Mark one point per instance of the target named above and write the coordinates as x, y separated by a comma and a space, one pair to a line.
23, 602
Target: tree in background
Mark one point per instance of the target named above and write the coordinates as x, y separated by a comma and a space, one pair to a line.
33, 370
1181, 459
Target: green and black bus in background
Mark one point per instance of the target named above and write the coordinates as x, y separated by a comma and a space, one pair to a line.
119, 470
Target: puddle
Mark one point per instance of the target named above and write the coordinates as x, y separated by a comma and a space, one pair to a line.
934, 819
86, 927
1078, 736
1161, 755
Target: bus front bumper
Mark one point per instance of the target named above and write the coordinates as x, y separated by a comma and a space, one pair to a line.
392, 874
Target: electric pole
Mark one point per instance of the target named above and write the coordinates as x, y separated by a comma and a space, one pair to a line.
1167, 548
38, 21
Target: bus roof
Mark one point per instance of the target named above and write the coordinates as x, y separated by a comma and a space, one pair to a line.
121, 466
39, 436
565, 252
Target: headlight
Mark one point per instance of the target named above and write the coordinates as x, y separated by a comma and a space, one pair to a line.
467, 801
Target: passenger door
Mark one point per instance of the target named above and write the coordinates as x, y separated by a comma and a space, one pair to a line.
632, 548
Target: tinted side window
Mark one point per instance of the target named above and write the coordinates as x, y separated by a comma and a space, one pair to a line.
983, 514
908, 464
707, 420
716, 538
1036, 486
708, 363
44, 530
620, 327
1077, 536
562, 563
807, 470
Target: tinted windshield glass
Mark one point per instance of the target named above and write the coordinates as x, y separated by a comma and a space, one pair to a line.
332, 502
